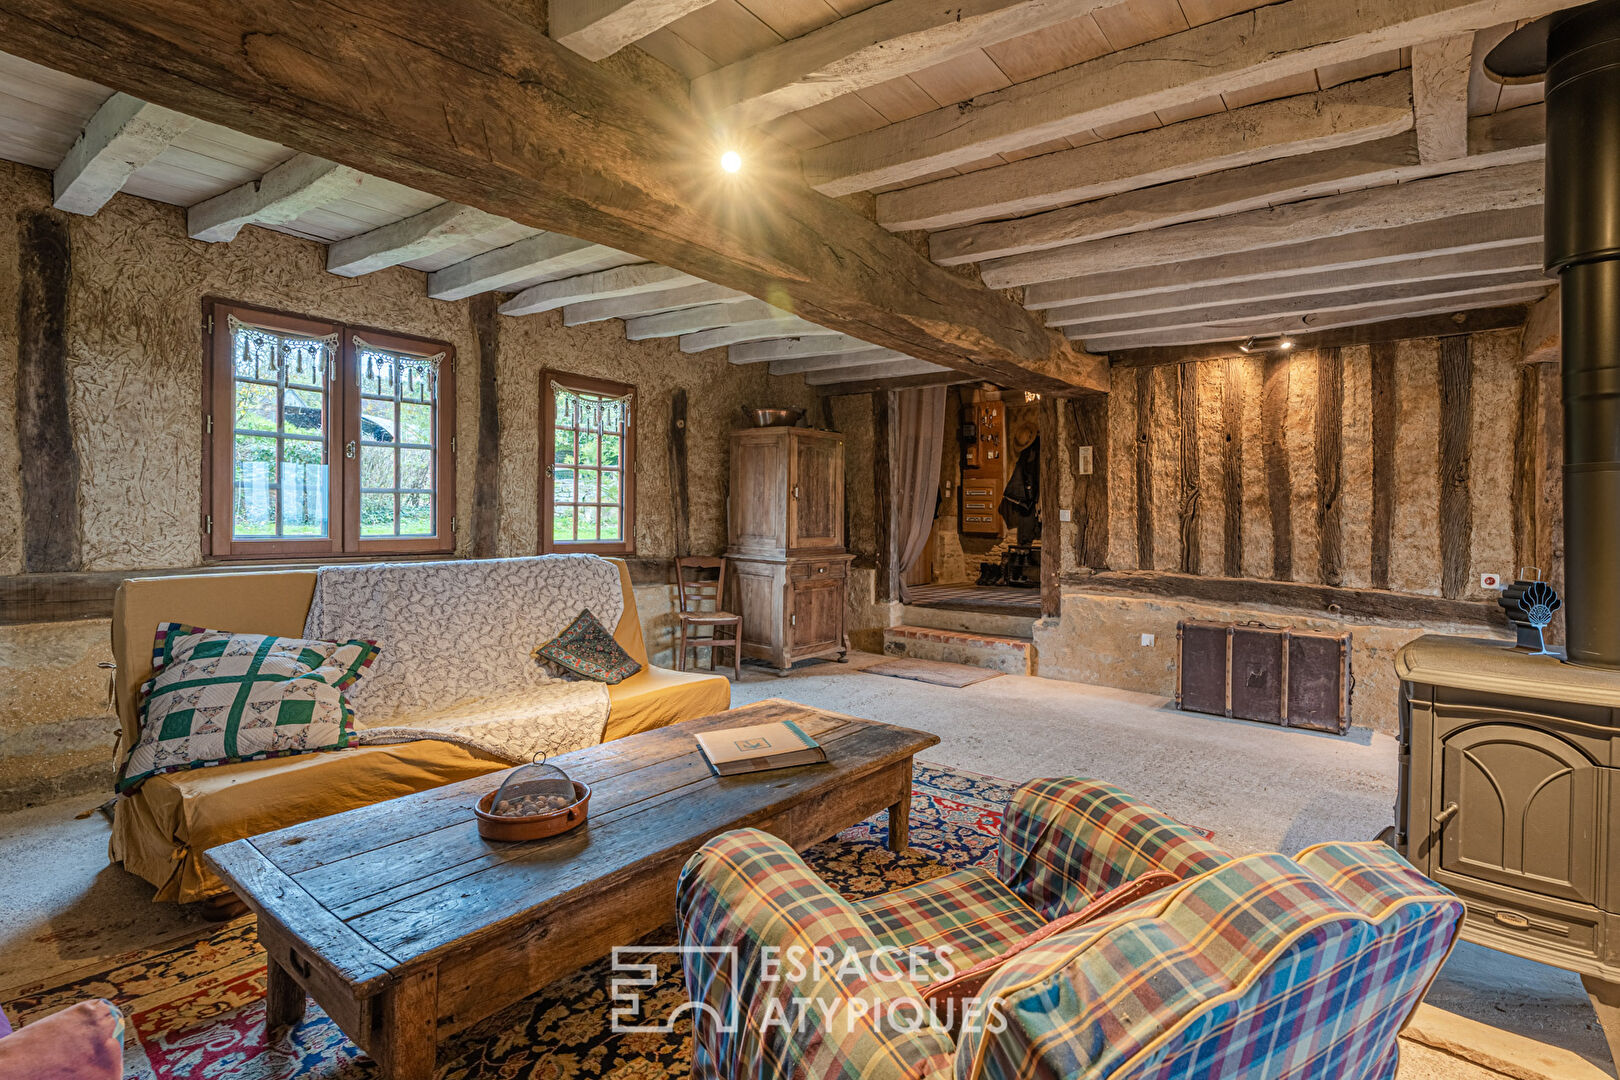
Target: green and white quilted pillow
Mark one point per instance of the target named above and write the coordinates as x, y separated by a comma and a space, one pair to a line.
215, 698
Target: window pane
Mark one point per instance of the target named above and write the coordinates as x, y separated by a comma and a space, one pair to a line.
587, 522
416, 515
587, 485
562, 486
587, 448
611, 450
376, 374
304, 495
565, 409
416, 423
610, 487
305, 362
302, 412
377, 515
254, 492
562, 523
376, 420
610, 523
564, 448
416, 382
377, 466
416, 469
255, 407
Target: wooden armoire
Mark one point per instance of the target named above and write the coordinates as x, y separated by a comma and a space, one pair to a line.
786, 543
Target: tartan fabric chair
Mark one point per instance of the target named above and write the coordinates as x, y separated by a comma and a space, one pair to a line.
1254, 967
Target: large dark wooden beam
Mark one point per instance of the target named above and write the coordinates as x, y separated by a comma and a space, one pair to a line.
1383, 459
1456, 427
1329, 465
50, 462
486, 508
1274, 447
680, 505
476, 105
1337, 603
904, 382
1090, 413
1187, 405
1144, 470
882, 496
1051, 530
1232, 468
1473, 321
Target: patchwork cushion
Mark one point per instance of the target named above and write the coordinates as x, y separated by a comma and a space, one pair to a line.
587, 648
216, 697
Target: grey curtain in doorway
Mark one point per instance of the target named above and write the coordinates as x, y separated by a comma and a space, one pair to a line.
919, 433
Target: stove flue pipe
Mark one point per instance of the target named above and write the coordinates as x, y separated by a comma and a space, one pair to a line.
1579, 52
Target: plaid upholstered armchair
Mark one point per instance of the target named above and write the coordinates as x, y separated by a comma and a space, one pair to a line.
1251, 967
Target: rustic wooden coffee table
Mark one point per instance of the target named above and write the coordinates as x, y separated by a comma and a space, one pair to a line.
406, 926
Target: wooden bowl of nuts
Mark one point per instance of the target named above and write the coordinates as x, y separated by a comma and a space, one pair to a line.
520, 816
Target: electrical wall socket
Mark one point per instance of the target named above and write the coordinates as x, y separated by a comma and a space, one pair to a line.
1147, 641
1084, 465
1065, 514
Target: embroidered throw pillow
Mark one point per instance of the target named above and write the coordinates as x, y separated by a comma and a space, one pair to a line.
586, 648
215, 698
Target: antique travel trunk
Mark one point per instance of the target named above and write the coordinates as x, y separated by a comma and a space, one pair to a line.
1273, 674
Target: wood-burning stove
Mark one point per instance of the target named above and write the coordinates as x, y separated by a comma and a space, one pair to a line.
1510, 762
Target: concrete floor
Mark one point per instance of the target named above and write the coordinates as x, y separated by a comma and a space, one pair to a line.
62, 908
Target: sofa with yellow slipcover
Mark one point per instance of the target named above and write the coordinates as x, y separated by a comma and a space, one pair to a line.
161, 829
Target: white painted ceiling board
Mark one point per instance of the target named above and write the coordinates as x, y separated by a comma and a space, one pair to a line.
509, 233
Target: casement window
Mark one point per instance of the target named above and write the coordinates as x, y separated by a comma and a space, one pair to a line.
587, 465
324, 439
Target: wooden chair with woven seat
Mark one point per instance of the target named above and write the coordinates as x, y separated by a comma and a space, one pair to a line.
693, 593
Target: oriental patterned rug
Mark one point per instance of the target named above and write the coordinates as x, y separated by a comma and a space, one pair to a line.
195, 1011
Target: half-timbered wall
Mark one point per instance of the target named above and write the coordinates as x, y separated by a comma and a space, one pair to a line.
133, 391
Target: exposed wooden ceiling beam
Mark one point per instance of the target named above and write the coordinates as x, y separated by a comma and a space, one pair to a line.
125, 134
651, 303
889, 370
499, 116
799, 365
1098, 333
1300, 324
707, 317
882, 42
600, 28
1234, 53
785, 348
1464, 233
1543, 339
283, 194
416, 237
905, 382
1507, 138
1303, 124
1440, 71
1473, 321
738, 333
630, 280
1506, 187
550, 254
1526, 256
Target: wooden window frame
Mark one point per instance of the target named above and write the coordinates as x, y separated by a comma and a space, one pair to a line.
344, 406
626, 546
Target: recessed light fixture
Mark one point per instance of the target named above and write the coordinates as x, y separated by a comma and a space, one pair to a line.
1247, 345
731, 161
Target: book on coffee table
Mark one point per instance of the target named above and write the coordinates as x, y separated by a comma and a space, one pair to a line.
760, 747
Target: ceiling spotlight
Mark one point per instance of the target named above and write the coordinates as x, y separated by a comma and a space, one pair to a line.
731, 161
1254, 344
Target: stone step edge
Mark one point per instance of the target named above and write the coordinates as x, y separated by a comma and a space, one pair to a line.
963, 637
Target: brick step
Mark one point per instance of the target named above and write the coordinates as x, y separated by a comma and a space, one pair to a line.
993, 652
